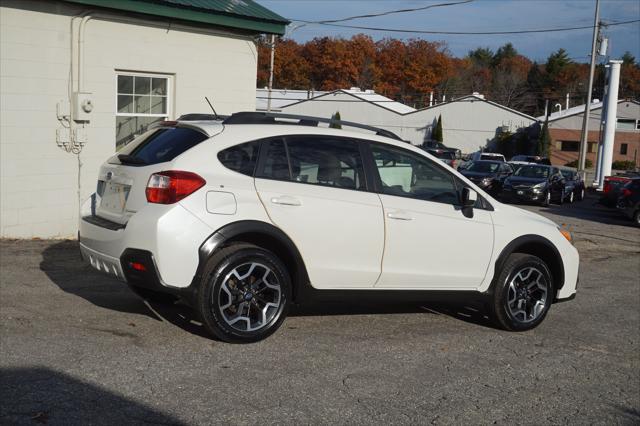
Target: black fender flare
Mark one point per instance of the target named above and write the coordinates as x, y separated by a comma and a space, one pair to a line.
252, 229
556, 266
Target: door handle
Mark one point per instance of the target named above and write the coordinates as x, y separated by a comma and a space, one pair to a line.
399, 216
286, 200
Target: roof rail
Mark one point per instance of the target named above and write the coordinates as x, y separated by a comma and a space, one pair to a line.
258, 117
201, 117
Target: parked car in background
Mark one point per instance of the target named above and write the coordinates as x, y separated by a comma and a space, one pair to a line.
612, 187
488, 175
479, 155
629, 200
439, 145
573, 186
531, 159
447, 157
534, 183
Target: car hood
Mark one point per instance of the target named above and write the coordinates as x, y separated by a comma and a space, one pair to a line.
510, 210
516, 180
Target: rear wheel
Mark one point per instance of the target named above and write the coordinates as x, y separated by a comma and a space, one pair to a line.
244, 293
581, 194
522, 294
571, 197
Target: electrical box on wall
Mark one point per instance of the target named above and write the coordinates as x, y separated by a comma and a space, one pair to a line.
82, 106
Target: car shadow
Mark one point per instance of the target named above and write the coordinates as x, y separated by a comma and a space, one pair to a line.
473, 313
41, 395
62, 264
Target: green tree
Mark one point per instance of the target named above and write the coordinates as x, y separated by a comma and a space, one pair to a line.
544, 141
505, 52
628, 58
482, 56
437, 134
335, 121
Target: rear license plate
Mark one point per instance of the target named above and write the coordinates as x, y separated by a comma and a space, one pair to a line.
115, 197
520, 192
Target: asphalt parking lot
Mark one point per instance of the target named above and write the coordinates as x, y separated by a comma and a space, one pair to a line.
78, 347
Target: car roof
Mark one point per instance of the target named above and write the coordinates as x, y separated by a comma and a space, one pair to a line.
487, 161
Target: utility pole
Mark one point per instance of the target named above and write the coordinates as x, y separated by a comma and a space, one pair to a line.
585, 120
273, 52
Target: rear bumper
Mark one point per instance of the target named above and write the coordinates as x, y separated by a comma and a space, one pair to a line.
102, 262
170, 234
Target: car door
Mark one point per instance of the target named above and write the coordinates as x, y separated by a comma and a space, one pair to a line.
430, 243
314, 188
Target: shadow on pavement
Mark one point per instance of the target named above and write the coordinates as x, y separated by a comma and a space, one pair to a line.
61, 262
41, 395
589, 209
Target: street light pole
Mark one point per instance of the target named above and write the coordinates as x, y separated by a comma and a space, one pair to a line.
587, 108
273, 51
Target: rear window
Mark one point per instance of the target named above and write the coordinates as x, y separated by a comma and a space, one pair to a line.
240, 158
160, 145
446, 155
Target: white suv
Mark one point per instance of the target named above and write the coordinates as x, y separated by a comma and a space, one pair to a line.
245, 216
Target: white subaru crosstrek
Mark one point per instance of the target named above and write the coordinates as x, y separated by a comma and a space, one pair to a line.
243, 217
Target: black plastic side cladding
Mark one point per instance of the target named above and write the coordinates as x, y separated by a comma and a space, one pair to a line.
523, 244
253, 231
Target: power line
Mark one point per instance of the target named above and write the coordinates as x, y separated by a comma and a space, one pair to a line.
399, 30
390, 12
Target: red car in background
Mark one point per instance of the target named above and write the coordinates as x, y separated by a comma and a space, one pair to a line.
612, 188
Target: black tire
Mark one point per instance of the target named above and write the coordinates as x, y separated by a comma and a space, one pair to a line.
571, 197
561, 198
636, 217
152, 296
547, 199
210, 293
502, 292
580, 195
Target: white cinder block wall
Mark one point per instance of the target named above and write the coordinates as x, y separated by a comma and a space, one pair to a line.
39, 180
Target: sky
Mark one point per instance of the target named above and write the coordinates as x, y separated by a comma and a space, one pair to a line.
479, 15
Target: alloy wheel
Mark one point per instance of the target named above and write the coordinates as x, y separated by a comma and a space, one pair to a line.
249, 297
527, 294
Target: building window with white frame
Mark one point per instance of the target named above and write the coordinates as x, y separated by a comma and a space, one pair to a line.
142, 99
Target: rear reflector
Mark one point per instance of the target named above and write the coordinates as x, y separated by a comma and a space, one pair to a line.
172, 186
137, 266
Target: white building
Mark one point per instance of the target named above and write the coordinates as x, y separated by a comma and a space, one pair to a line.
133, 62
469, 123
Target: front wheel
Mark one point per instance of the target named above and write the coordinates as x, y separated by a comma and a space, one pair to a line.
547, 199
581, 194
244, 294
571, 197
522, 294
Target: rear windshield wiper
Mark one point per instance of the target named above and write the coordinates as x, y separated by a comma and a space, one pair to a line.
130, 159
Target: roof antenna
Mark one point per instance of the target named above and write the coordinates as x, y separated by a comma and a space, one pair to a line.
212, 108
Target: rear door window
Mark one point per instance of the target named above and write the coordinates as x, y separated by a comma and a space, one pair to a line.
159, 145
333, 162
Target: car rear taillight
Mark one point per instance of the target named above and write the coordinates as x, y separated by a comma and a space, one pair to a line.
626, 192
172, 186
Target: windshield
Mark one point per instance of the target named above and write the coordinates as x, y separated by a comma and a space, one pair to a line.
483, 167
568, 174
443, 154
537, 172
